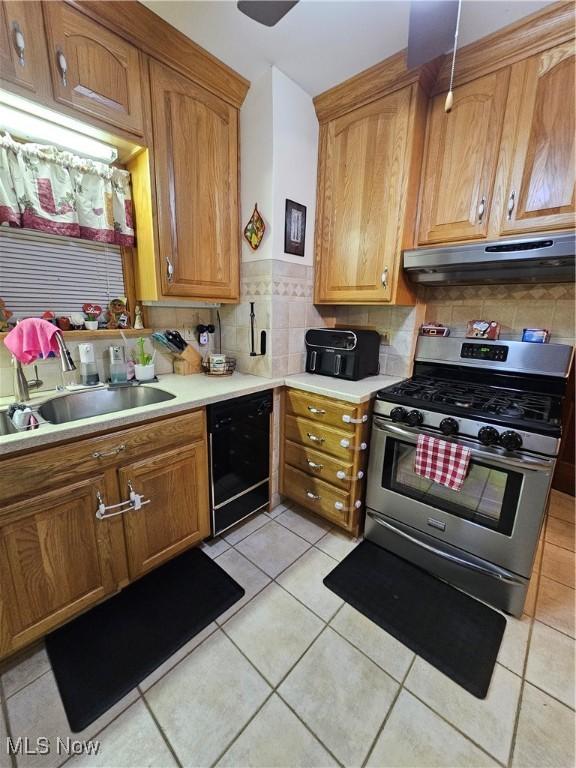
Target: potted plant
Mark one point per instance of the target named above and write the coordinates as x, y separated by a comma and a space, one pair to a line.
143, 362
92, 312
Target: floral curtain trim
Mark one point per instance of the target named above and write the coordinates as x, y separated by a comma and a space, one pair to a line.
42, 187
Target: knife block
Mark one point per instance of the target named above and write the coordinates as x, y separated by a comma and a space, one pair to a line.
188, 362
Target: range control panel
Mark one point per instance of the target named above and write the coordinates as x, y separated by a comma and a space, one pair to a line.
496, 352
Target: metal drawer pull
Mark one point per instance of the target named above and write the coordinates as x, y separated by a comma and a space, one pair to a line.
169, 270
318, 411
495, 574
341, 508
481, 209
346, 444
341, 475
349, 420
113, 452
385, 277
62, 66
19, 42
313, 465
314, 438
313, 496
511, 204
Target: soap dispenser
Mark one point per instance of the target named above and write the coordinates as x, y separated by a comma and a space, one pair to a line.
88, 369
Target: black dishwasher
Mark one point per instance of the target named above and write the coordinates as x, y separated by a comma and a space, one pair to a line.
239, 432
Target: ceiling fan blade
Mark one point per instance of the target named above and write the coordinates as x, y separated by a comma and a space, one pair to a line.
267, 12
431, 31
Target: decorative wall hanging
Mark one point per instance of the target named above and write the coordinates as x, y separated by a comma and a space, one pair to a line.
254, 230
45, 188
294, 228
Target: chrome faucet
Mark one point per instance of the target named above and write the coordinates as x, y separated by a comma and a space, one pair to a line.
22, 386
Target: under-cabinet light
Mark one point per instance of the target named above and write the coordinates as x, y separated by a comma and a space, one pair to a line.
23, 125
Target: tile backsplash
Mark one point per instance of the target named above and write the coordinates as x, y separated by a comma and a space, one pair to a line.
515, 307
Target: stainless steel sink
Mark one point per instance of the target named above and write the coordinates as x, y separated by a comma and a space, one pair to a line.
6, 426
81, 405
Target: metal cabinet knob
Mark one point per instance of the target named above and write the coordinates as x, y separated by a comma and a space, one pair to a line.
62, 66
511, 204
169, 270
19, 42
481, 209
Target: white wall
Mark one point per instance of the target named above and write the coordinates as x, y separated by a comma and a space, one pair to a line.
278, 152
295, 157
256, 163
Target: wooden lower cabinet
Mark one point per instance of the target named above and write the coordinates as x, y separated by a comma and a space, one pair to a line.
174, 486
58, 558
324, 455
55, 561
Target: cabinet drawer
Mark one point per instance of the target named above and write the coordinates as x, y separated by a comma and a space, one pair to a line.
318, 464
326, 439
321, 410
44, 469
318, 496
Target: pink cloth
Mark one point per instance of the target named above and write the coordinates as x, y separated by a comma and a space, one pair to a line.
31, 338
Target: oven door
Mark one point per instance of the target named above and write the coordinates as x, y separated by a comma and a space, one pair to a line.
497, 515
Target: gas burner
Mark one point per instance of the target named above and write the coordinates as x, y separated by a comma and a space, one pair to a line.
511, 410
484, 401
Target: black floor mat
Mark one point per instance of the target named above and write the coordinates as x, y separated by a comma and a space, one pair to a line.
454, 632
100, 656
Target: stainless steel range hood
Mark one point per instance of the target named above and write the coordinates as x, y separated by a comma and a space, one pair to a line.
547, 258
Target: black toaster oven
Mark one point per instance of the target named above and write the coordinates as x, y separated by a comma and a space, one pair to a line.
346, 354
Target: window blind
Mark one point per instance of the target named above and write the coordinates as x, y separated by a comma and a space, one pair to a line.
40, 272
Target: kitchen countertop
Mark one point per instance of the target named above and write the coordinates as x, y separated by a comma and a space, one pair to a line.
351, 391
190, 392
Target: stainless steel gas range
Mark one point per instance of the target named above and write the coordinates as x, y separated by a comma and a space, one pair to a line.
501, 399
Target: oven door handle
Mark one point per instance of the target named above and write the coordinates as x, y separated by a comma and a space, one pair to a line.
526, 464
499, 574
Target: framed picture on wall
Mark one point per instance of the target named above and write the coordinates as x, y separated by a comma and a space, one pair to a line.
294, 228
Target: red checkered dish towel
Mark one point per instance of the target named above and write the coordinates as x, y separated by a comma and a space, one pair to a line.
442, 462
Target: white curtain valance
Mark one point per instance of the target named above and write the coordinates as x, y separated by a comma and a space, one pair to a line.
45, 188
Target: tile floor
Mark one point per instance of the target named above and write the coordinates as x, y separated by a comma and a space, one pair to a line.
291, 676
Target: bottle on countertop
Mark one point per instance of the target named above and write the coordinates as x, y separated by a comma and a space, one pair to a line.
88, 369
118, 367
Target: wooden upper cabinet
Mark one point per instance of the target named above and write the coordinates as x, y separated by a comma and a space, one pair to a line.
176, 483
55, 561
461, 159
540, 190
93, 70
364, 167
196, 172
23, 57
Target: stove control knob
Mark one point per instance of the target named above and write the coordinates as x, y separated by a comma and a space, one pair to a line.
398, 414
449, 426
488, 436
414, 418
510, 441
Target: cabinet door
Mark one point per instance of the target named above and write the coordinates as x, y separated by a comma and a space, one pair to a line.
23, 60
362, 187
196, 169
177, 516
460, 164
540, 192
93, 70
55, 561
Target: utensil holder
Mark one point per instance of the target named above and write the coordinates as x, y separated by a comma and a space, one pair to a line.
188, 362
